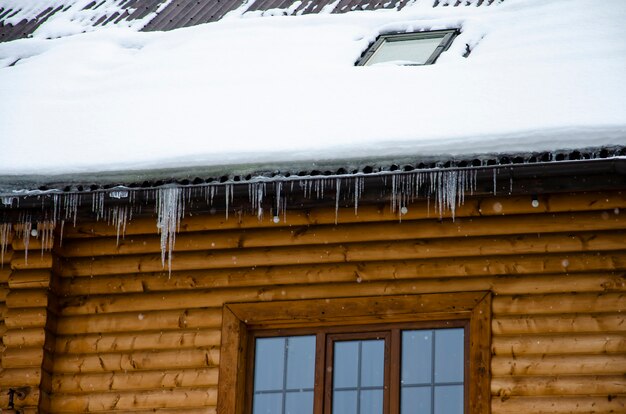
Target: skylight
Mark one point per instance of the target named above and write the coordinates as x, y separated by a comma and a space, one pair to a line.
421, 48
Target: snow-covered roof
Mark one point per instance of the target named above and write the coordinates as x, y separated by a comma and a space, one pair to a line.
256, 92
55, 18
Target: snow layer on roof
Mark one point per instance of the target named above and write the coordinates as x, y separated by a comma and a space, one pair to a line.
541, 75
69, 17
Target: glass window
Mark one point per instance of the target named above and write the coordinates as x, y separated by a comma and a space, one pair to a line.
432, 373
284, 375
358, 376
421, 48
358, 370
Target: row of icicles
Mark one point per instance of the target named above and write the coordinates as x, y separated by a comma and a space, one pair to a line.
446, 190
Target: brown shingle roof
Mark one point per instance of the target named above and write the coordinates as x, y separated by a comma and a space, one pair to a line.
183, 13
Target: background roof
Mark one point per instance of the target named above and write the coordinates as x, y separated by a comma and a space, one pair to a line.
253, 94
22, 18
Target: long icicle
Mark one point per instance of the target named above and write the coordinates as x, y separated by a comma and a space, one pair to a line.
169, 213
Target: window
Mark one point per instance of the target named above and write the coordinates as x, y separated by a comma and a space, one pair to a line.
374, 355
408, 48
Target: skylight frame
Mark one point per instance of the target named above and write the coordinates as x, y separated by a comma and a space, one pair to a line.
444, 44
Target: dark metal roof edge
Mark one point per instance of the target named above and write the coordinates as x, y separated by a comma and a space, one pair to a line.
532, 163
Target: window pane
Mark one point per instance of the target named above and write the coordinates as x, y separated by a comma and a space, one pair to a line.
416, 357
344, 402
449, 399
414, 51
372, 363
346, 364
269, 364
449, 355
371, 402
300, 362
415, 400
284, 374
358, 376
299, 403
267, 403
420, 366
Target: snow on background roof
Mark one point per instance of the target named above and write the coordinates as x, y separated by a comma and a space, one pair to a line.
55, 18
541, 75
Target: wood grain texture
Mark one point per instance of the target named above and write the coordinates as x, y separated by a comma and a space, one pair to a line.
555, 365
131, 337
379, 232
559, 405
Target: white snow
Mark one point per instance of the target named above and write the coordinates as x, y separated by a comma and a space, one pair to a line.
542, 75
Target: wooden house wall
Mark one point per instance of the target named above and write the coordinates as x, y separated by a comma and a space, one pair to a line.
98, 325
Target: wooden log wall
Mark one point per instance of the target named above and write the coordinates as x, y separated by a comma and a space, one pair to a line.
129, 337
29, 314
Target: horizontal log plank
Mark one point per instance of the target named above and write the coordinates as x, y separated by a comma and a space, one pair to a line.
558, 405
137, 361
22, 358
178, 410
353, 233
35, 244
130, 401
210, 279
599, 364
424, 268
18, 338
217, 297
20, 377
556, 386
32, 260
141, 321
23, 318
5, 265
134, 341
145, 380
30, 400
558, 344
30, 279
559, 303
400, 250
539, 324
27, 298
472, 207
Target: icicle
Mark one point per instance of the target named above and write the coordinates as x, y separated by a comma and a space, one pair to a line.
5, 232
260, 194
228, 197
25, 233
212, 195
358, 188
277, 191
337, 195
61, 233
55, 208
42, 229
169, 213
495, 172
394, 189
119, 218
70, 205
284, 201
474, 182
98, 205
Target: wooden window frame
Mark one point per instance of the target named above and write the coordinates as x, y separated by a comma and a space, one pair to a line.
239, 320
